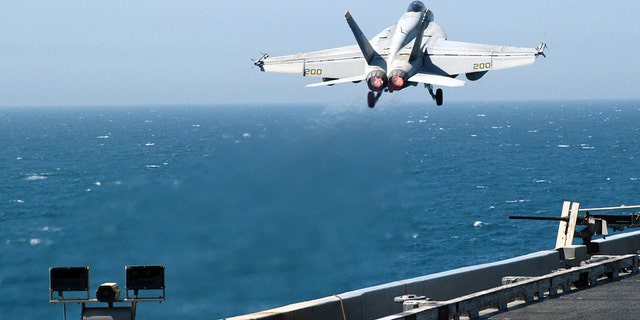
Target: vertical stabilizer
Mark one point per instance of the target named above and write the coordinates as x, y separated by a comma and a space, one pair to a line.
369, 53
417, 45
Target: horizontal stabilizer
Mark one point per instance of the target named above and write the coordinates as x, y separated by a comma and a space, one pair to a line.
436, 80
332, 82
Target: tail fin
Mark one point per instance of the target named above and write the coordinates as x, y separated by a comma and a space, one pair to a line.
369, 53
417, 46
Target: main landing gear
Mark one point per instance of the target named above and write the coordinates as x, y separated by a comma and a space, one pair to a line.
437, 96
373, 97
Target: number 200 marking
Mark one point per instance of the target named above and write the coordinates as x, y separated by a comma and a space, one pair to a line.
482, 66
312, 72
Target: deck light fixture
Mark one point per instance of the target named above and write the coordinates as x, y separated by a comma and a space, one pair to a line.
144, 278
147, 278
63, 279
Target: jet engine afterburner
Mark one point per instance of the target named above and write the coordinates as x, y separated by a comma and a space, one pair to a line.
397, 79
376, 80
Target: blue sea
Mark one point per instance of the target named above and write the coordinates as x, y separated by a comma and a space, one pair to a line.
252, 207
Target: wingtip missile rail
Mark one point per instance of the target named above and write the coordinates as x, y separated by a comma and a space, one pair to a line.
260, 61
540, 49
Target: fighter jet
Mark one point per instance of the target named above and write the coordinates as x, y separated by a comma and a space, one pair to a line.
412, 51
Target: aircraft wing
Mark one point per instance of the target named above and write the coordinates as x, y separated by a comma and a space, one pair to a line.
454, 58
336, 63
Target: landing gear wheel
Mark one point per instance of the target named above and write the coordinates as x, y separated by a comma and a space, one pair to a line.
371, 99
439, 97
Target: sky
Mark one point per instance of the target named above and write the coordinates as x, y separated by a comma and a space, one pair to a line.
159, 52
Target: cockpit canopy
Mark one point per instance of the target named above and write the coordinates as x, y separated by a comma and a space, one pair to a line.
416, 6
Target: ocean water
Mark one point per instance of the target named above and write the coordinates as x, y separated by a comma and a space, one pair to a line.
253, 207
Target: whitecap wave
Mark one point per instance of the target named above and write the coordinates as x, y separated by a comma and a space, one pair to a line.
35, 177
517, 201
31, 241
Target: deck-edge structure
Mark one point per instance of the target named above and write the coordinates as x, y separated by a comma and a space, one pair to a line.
474, 291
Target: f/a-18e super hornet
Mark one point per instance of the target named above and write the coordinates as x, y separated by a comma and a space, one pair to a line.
414, 50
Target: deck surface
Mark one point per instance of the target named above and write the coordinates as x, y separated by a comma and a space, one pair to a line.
618, 299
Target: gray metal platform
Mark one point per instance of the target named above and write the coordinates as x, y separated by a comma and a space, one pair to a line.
617, 299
